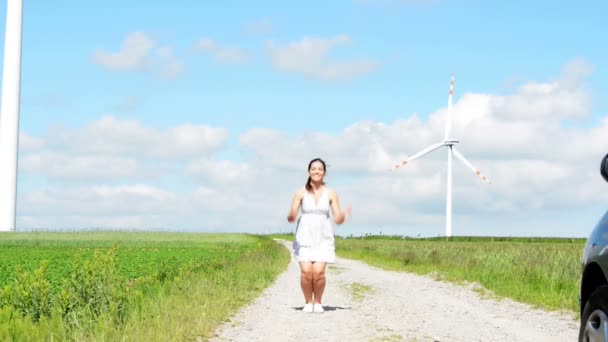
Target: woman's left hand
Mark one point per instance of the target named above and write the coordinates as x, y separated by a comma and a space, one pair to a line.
347, 212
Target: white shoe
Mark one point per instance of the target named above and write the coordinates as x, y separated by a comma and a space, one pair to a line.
308, 308
318, 308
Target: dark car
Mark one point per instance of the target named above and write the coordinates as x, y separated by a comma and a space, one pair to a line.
594, 284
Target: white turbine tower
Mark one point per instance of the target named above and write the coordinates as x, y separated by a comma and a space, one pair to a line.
452, 151
9, 115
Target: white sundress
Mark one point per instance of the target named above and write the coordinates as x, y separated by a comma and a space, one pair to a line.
314, 234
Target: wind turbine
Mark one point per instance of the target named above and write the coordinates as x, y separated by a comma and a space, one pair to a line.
9, 115
452, 151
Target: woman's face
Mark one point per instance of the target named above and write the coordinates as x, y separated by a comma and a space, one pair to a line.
316, 171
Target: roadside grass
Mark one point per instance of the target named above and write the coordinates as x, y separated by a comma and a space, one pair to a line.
358, 291
196, 306
282, 236
541, 272
389, 338
129, 286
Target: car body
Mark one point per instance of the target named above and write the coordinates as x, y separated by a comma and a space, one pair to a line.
594, 279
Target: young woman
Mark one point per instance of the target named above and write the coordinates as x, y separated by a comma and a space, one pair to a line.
313, 245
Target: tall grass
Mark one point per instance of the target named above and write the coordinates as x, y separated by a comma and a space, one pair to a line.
196, 306
541, 273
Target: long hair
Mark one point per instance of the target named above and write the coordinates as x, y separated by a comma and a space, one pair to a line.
308, 186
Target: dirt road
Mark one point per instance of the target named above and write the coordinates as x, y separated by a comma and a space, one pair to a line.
364, 303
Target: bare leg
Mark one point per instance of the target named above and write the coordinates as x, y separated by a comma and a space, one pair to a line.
318, 280
306, 280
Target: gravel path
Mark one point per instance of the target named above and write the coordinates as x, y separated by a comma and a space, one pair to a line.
364, 303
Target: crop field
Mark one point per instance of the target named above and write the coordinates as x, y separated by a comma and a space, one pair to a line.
128, 286
136, 255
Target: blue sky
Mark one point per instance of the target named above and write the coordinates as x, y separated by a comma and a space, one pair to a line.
203, 116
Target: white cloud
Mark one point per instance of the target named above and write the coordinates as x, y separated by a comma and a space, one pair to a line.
28, 143
133, 191
310, 56
221, 172
237, 196
100, 199
222, 54
133, 54
140, 52
171, 66
114, 149
540, 168
72, 167
137, 206
112, 136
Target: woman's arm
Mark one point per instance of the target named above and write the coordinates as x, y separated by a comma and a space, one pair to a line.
339, 217
295, 205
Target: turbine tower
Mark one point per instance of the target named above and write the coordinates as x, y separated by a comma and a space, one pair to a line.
452, 151
9, 115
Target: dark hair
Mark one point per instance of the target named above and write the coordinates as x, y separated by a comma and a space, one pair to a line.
308, 186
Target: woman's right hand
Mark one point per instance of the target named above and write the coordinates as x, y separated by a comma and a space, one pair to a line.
295, 205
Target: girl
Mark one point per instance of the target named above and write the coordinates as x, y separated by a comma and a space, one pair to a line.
313, 245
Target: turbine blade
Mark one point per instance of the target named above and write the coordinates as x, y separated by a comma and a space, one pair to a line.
448, 121
418, 155
460, 157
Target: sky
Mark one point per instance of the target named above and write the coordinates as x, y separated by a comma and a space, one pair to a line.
203, 116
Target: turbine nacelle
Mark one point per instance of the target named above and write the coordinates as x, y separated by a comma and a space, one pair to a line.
450, 141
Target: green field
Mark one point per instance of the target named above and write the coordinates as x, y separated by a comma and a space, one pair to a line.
129, 286
138, 253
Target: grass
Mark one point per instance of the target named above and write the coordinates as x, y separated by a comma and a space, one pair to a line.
541, 272
390, 338
196, 306
161, 286
358, 291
